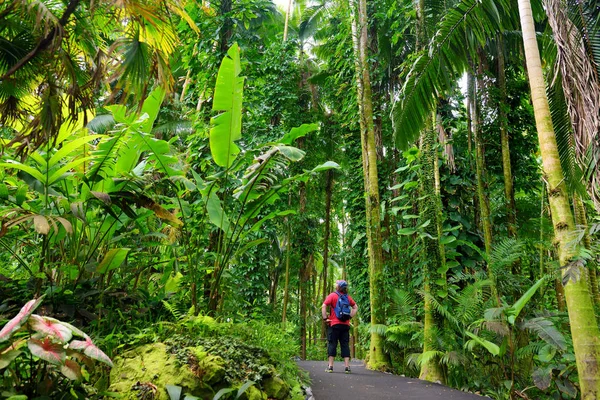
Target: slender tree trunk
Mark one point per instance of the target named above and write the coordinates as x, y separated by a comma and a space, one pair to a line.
584, 330
484, 206
304, 280
288, 250
287, 19
328, 193
506, 167
470, 101
431, 370
377, 357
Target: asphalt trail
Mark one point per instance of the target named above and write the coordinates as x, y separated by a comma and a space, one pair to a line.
363, 384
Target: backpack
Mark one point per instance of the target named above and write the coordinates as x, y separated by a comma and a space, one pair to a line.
342, 307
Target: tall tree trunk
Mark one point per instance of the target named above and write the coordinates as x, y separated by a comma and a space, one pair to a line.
304, 280
431, 370
328, 193
584, 330
287, 19
509, 193
288, 249
484, 206
377, 357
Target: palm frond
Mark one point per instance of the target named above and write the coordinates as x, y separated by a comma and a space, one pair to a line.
563, 131
506, 252
436, 70
546, 331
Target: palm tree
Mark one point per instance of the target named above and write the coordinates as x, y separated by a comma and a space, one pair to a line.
584, 329
63, 52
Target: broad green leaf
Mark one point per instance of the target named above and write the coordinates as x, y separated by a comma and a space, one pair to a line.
491, 347
58, 174
174, 391
542, 377
223, 392
249, 245
68, 148
8, 357
3, 191
25, 168
297, 132
325, 166
243, 388
113, 259
151, 107
216, 215
291, 153
227, 126
515, 309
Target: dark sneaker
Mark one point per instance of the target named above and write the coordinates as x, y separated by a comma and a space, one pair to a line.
348, 371
329, 369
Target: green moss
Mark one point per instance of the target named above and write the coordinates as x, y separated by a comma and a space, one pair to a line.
154, 364
276, 388
253, 393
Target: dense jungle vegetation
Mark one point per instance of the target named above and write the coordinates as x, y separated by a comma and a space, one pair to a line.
184, 181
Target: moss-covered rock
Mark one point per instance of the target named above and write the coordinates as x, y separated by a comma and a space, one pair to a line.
276, 388
153, 364
253, 393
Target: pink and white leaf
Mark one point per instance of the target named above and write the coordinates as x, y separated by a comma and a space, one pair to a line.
71, 370
90, 350
76, 331
47, 350
15, 324
50, 327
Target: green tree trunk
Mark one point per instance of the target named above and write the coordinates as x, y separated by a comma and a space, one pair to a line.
484, 206
328, 193
509, 193
377, 357
584, 330
431, 370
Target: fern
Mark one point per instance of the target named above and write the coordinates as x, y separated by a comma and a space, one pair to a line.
178, 315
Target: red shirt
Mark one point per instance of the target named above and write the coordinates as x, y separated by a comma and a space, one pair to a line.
331, 301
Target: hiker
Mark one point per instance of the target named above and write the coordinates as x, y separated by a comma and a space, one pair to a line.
342, 308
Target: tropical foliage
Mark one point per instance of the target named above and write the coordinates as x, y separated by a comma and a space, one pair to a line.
179, 175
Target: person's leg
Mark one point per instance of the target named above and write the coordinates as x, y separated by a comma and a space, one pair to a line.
344, 335
331, 345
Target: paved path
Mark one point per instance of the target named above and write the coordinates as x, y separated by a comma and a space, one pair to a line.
364, 384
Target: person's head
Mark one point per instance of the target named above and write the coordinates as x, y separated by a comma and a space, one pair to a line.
341, 286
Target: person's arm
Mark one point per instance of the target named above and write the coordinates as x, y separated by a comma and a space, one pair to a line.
324, 312
354, 310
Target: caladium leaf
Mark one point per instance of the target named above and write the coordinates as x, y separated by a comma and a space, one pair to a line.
47, 350
76, 331
50, 327
90, 350
71, 370
7, 357
14, 324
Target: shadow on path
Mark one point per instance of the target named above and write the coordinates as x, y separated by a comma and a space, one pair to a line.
365, 384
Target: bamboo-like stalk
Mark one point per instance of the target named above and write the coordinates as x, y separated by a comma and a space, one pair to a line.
584, 329
377, 357
506, 166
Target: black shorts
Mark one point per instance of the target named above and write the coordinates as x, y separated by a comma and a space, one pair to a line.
338, 333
